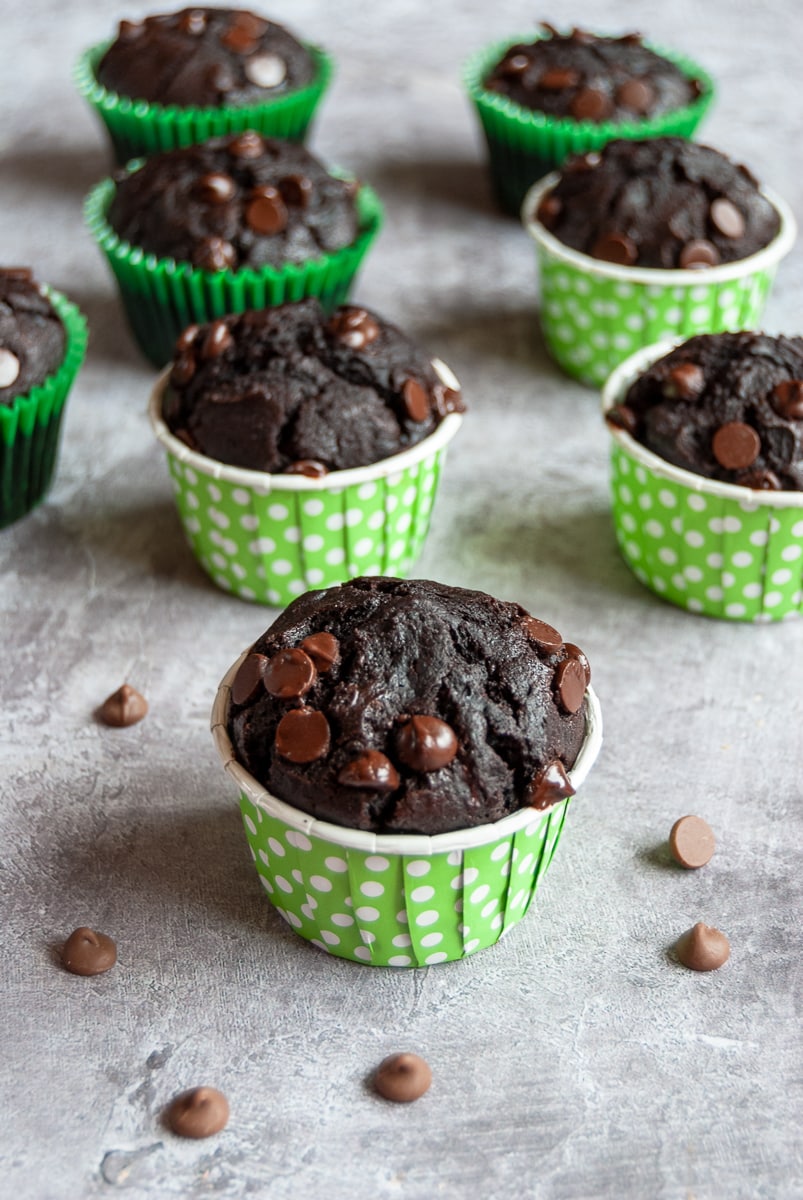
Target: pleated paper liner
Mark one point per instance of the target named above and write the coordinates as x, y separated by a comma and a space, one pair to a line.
161, 296
524, 145
595, 314
709, 547
139, 128
268, 538
30, 425
398, 900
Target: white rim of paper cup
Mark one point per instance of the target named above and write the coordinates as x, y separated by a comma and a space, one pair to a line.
769, 255
614, 390
392, 843
263, 482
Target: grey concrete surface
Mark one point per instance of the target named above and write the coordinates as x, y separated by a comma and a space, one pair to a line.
573, 1060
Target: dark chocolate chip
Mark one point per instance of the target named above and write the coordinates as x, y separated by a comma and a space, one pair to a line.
402, 1077
183, 370
217, 340
246, 145
447, 400
736, 445
615, 248
691, 842
684, 382
635, 94
558, 78
371, 771
550, 785
296, 190
124, 707
787, 399
323, 649
725, 217
248, 680
307, 466
354, 327
266, 212
186, 338
416, 400
214, 254
302, 735
546, 637
426, 743
214, 188
88, 953
570, 681
702, 948
289, 674
576, 653
590, 104
198, 1113
621, 416
698, 254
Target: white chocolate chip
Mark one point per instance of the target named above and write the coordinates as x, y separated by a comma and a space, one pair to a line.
9, 368
445, 374
266, 70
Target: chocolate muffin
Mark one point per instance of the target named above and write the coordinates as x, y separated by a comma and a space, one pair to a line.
288, 389
588, 78
204, 57
32, 338
409, 707
728, 406
243, 201
664, 202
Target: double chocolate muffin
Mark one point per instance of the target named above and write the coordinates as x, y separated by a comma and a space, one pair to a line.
664, 202
587, 78
288, 389
409, 707
243, 201
32, 338
728, 406
204, 57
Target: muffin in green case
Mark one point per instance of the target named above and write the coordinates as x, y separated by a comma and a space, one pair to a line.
217, 54
30, 420
292, 229
583, 73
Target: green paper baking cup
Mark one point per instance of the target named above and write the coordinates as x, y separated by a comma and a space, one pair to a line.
595, 314
268, 538
710, 547
138, 128
524, 145
30, 425
398, 900
162, 297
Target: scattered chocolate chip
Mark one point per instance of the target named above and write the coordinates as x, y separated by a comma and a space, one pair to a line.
702, 948
371, 771
307, 466
426, 743
354, 327
247, 145
217, 340
760, 481
124, 707
515, 64
684, 382
635, 94
323, 649
416, 400
546, 637
576, 653
736, 445
691, 842
302, 735
9, 368
570, 681
402, 1077
186, 338
725, 217
615, 248
183, 370
198, 1113
550, 785
88, 953
296, 190
787, 399
622, 417
214, 188
214, 254
558, 78
549, 210
266, 212
590, 104
698, 254
249, 678
289, 674
266, 70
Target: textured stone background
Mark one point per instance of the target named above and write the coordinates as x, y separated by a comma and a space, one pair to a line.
574, 1060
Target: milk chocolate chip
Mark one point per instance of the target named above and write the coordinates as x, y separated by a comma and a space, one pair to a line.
124, 707
302, 735
198, 1113
576, 653
787, 399
684, 382
248, 679
416, 400
736, 445
550, 784
691, 842
402, 1077
546, 637
266, 212
702, 948
88, 953
726, 218
323, 649
426, 743
615, 248
570, 681
289, 674
371, 771
355, 328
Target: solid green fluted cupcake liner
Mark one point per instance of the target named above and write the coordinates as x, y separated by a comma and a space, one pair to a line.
137, 127
709, 547
595, 314
268, 538
161, 297
398, 900
31, 425
524, 145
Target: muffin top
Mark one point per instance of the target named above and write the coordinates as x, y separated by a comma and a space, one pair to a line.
204, 57
32, 336
664, 202
409, 707
288, 389
242, 201
588, 78
725, 405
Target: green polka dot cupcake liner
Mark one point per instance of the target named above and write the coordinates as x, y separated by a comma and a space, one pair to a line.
524, 145
709, 547
30, 426
596, 314
268, 538
162, 297
398, 900
137, 128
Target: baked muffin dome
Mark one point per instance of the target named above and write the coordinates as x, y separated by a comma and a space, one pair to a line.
32, 338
